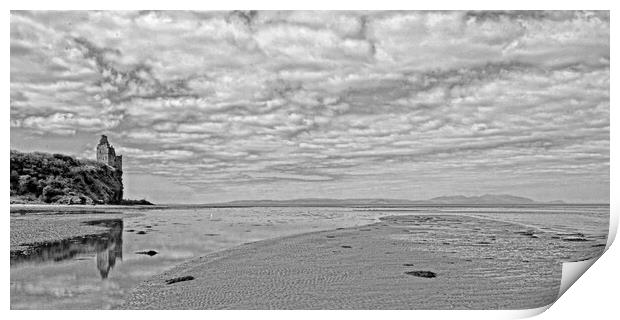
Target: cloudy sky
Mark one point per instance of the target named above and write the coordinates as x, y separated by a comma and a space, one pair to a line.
218, 106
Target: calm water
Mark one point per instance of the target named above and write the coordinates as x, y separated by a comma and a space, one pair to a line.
96, 272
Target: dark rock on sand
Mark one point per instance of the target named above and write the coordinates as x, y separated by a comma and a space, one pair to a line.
346, 247
408, 264
422, 274
528, 233
575, 239
141, 232
148, 253
179, 279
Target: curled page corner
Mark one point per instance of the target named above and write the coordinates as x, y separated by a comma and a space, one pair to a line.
613, 229
571, 271
528, 313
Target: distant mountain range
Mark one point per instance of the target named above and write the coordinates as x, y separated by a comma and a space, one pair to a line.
487, 199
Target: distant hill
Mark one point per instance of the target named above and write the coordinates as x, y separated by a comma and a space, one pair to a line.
55, 178
316, 202
484, 199
487, 199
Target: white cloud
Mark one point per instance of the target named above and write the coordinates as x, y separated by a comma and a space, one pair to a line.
346, 101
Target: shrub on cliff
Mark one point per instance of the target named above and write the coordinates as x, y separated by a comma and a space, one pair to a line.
142, 202
63, 179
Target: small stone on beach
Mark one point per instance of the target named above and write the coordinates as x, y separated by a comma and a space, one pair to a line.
179, 279
422, 274
148, 253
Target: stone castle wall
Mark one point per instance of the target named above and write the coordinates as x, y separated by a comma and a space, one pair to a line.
107, 154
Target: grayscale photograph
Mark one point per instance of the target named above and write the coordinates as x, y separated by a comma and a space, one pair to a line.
339, 160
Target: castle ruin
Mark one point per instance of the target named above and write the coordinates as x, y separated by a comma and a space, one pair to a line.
107, 155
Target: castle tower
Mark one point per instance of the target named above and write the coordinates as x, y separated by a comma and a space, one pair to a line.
107, 154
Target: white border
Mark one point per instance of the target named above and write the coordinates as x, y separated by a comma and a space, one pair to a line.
595, 294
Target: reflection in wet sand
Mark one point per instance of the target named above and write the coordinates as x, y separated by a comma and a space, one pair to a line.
107, 246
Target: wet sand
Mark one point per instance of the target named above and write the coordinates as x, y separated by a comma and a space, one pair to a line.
36, 225
476, 264
65, 274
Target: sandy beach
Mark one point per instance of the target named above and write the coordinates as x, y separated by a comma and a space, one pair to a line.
405, 262
297, 258
33, 224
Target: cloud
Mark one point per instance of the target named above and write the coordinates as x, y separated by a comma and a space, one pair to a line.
271, 104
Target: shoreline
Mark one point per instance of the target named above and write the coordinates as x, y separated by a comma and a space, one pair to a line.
36, 228
373, 266
99, 208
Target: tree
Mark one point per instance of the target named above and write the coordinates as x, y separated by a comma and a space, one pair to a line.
28, 184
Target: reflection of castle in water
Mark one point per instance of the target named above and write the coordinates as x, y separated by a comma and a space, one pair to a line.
110, 251
107, 246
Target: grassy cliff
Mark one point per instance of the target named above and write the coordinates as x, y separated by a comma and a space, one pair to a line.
55, 178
